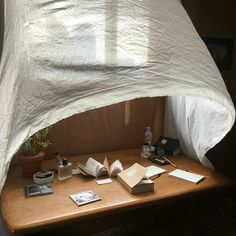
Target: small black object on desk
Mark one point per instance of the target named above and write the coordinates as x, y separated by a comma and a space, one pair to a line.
158, 160
171, 146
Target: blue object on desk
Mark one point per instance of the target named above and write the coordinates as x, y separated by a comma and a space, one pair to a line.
160, 151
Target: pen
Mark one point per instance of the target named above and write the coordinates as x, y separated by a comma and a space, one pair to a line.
170, 162
154, 177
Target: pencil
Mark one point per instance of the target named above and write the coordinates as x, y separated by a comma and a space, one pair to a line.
154, 177
170, 162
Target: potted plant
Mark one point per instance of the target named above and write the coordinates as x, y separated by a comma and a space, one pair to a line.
32, 152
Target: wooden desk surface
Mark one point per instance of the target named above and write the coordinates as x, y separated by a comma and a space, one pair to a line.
23, 215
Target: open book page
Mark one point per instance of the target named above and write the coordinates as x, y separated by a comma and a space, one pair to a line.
101, 171
95, 168
115, 168
145, 181
106, 165
83, 169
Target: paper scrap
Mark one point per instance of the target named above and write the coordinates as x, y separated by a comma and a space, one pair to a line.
104, 181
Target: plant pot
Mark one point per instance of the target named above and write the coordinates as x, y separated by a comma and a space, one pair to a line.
31, 164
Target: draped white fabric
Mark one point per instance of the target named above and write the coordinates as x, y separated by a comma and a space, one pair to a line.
63, 57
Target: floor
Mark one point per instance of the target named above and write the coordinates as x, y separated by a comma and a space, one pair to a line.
3, 231
215, 215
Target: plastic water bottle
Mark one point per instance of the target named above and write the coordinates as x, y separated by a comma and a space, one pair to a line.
148, 136
147, 145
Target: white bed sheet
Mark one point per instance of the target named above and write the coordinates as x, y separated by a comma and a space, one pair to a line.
65, 57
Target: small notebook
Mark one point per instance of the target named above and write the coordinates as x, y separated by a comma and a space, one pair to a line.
185, 175
154, 170
85, 197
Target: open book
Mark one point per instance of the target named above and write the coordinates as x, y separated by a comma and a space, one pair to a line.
134, 179
96, 169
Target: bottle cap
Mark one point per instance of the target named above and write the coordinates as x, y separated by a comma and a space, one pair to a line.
64, 162
148, 128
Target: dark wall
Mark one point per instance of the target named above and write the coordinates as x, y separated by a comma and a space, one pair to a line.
217, 18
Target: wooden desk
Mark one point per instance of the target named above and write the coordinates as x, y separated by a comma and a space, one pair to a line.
23, 215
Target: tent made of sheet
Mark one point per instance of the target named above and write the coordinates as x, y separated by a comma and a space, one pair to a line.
65, 57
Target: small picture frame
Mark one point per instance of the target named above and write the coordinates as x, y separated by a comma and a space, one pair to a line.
221, 50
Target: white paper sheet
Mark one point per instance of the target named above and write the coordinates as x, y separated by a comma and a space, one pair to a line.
154, 170
185, 175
